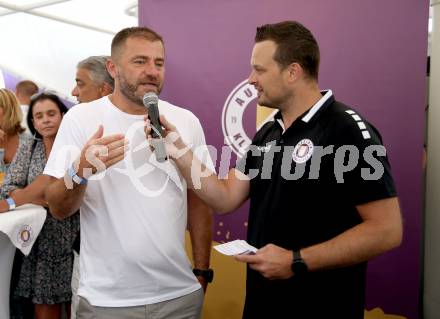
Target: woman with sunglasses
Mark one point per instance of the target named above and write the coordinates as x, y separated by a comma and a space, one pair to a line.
11, 132
45, 274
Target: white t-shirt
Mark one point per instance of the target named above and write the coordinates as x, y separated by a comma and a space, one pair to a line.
24, 110
134, 215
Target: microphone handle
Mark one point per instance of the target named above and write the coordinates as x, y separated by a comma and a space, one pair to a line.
155, 122
160, 152
159, 145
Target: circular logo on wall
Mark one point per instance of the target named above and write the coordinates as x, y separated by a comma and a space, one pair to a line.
24, 235
236, 137
302, 151
232, 117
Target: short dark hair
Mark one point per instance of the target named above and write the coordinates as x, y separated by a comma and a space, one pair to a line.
295, 44
41, 97
26, 88
133, 32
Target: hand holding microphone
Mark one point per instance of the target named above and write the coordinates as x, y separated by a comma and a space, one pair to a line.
150, 101
173, 144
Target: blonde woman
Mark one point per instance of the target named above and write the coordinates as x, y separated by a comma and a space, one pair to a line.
11, 132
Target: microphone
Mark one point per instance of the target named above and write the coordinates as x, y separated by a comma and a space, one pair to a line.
150, 101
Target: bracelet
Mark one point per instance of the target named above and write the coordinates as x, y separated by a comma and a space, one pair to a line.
11, 203
77, 179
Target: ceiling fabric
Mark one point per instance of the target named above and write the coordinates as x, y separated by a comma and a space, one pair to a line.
44, 40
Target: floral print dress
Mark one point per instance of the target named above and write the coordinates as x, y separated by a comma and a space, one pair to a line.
46, 272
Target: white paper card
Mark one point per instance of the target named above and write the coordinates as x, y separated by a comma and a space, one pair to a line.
235, 247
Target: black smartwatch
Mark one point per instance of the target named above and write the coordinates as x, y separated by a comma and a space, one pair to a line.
299, 267
207, 274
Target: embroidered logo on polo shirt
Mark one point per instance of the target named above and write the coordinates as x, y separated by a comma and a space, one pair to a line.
25, 235
302, 151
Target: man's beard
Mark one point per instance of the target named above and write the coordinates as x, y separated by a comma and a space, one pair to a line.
129, 90
268, 103
274, 102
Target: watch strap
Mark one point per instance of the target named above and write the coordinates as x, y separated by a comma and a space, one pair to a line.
207, 274
299, 266
297, 256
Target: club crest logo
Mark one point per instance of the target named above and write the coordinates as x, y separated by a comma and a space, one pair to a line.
241, 97
302, 151
25, 235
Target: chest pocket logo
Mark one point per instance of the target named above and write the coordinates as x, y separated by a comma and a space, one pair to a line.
302, 151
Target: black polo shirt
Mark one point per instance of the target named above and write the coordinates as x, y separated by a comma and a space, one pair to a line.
305, 184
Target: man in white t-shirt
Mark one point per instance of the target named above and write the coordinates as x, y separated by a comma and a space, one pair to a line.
92, 82
133, 209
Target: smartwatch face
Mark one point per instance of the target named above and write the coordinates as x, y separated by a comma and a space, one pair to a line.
299, 267
208, 274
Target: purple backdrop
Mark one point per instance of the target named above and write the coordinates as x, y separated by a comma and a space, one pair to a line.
10, 81
373, 57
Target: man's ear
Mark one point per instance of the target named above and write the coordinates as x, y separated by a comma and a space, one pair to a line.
111, 67
294, 71
106, 89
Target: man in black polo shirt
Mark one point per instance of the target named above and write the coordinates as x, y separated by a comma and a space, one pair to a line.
322, 199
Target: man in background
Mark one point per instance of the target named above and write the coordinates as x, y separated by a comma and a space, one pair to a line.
92, 79
24, 90
92, 82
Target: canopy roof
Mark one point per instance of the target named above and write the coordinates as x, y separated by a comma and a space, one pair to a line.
44, 40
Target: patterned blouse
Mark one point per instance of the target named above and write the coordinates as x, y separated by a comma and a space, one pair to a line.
23, 139
20, 172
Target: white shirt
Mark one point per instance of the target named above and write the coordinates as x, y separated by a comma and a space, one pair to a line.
24, 110
134, 216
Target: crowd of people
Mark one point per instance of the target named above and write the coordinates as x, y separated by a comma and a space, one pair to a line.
112, 247
45, 283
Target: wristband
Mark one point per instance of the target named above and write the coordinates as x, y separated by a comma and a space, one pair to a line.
11, 203
77, 179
